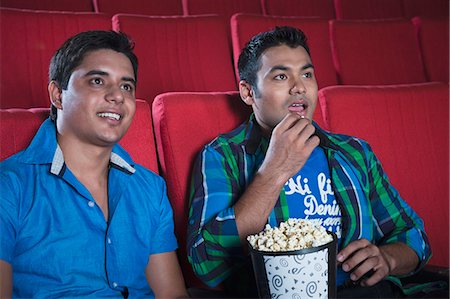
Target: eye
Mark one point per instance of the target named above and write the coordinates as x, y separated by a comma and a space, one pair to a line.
128, 87
96, 81
280, 77
308, 75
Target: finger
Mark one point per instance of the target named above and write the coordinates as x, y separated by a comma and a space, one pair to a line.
363, 270
350, 249
375, 278
288, 122
358, 258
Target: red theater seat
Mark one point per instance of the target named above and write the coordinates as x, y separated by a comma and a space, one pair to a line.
180, 53
224, 8
244, 27
300, 8
141, 7
407, 127
18, 127
28, 41
184, 123
434, 39
56, 5
368, 9
426, 8
376, 52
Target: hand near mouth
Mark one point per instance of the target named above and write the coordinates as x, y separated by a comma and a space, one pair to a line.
291, 144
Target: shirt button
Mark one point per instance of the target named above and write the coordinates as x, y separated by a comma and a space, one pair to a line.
91, 204
109, 241
115, 284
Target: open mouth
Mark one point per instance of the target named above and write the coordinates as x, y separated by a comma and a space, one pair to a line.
110, 115
299, 108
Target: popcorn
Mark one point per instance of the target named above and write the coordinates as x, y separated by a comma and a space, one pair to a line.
293, 234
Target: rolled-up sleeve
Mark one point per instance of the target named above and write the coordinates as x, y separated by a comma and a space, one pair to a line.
213, 240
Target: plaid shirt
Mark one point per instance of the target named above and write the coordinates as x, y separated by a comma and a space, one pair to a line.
371, 208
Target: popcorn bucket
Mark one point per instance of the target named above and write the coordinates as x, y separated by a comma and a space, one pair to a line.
304, 273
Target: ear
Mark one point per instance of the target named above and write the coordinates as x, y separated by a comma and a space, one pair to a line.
55, 93
246, 92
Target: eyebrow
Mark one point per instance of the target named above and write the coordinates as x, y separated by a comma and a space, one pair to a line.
284, 68
103, 73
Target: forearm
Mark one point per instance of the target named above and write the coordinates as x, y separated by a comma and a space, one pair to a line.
400, 258
5, 280
255, 205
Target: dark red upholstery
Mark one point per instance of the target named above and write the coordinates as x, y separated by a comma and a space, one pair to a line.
376, 52
300, 8
28, 41
180, 53
426, 8
243, 27
184, 123
221, 7
434, 39
56, 5
368, 9
142, 7
18, 127
408, 129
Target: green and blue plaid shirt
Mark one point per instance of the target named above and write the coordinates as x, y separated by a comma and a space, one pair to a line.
371, 208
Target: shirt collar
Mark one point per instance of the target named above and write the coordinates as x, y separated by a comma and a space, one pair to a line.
44, 149
255, 139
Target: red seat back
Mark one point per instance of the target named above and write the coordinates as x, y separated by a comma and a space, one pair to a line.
224, 8
180, 53
244, 27
368, 9
141, 7
184, 123
376, 52
407, 127
28, 41
434, 39
300, 8
426, 8
18, 127
55, 5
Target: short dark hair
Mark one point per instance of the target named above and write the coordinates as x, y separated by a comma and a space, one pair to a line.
249, 60
72, 52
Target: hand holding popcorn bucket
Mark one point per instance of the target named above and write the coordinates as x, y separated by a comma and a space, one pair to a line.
295, 260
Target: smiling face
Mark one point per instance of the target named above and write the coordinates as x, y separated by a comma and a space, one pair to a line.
99, 103
285, 84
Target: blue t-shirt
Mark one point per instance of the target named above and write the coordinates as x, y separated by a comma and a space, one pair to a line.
56, 237
310, 196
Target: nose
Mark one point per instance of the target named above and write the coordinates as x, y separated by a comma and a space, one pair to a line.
114, 94
297, 87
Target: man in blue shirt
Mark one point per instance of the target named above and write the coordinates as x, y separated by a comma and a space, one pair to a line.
78, 217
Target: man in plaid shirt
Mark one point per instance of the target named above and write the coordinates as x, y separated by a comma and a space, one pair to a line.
280, 164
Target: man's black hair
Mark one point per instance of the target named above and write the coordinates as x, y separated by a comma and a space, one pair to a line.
71, 54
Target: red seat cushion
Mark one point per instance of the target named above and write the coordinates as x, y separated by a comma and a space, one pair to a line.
376, 52
368, 9
184, 123
142, 7
180, 53
434, 39
18, 127
408, 129
244, 27
300, 8
28, 41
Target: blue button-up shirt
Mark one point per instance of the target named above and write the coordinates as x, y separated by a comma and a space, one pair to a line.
56, 237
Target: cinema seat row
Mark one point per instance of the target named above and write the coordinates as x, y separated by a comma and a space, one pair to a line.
340, 9
199, 53
407, 126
